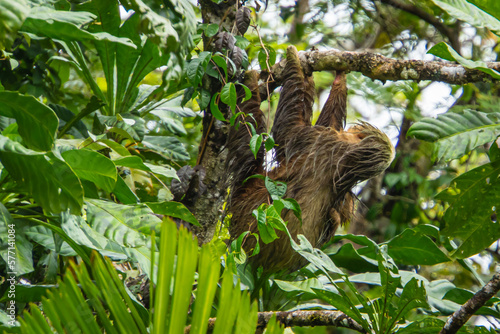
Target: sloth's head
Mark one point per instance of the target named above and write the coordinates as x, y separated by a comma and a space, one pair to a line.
368, 152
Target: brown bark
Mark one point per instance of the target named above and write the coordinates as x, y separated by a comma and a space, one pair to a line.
301, 318
212, 155
462, 315
376, 66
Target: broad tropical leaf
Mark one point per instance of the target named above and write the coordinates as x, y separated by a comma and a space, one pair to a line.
456, 134
92, 166
48, 179
15, 249
473, 197
467, 12
12, 15
127, 225
37, 122
491, 7
66, 26
415, 248
443, 50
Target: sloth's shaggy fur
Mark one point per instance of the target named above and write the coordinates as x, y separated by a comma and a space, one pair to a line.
320, 164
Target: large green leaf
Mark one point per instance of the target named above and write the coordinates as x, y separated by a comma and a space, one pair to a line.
64, 25
12, 15
464, 11
348, 257
474, 198
83, 234
92, 166
415, 248
157, 28
37, 122
413, 296
456, 134
125, 224
491, 7
169, 146
48, 179
173, 209
15, 249
445, 51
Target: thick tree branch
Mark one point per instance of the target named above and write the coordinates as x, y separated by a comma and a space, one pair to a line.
460, 317
301, 318
376, 66
429, 18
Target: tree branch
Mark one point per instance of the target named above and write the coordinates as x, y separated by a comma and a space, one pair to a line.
301, 318
376, 66
427, 17
460, 317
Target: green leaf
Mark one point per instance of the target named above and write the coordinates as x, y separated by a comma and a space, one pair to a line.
82, 234
12, 15
264, 61
92, 166
246, 321
208, 273
414, 248
339, 302
299, 286
456, 134
37, 122
64, 25
494, 152
269, 143
242, 42
291, 204
491, 7
228, 95
211, 30
314, 255
221, 62
464, 11
15, 249
204, 99
214, 108
127, 225
255, 144
266, 232
173, 209
277, 189
132, 162
184, 278
240, 256
169, 146
123, 192
473, 199
229, 296
348, 257
49, 180
197, 67
413, 296
424, 326
445, 51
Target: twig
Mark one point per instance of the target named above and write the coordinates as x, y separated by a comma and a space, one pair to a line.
427, 17
460, 317
301, 318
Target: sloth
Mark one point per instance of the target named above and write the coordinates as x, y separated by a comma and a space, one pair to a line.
320, 164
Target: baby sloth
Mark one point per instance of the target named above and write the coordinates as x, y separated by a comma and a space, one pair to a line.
320, 164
